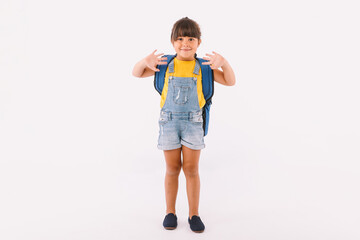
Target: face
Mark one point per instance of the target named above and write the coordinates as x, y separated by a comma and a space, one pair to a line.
186, 47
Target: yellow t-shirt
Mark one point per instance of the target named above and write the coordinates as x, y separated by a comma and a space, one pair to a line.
183, 69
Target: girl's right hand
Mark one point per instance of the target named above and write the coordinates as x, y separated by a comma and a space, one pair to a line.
153, 59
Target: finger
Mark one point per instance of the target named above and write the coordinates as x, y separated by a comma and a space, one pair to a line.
211, 61
209, 55
212, 66
154, 51
214, 52
162, 60
207, 58
162, 63
154, 69
159, 54
205, 63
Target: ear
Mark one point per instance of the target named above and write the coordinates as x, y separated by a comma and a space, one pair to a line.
199, 42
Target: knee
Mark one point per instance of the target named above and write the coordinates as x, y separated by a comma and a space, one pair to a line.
173, 170
190, 171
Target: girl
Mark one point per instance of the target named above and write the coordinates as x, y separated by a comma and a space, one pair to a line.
181, 123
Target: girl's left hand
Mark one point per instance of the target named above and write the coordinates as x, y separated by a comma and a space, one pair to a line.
215, 61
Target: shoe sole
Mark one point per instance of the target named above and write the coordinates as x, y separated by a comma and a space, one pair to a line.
199, 231
169, 228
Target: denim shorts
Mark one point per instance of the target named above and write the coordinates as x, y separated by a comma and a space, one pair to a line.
181, 128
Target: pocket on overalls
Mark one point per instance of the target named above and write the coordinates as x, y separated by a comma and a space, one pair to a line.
181, 94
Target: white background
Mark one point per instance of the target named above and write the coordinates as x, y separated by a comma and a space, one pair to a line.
78, 133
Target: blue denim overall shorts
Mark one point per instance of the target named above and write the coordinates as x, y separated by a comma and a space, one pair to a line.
181, 121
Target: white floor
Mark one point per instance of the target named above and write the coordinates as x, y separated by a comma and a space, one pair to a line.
255, 198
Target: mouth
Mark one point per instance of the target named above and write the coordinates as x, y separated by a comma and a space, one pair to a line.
186, 50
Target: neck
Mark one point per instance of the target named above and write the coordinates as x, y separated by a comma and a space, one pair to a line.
186, 59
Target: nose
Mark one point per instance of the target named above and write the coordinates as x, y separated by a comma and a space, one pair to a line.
185, 42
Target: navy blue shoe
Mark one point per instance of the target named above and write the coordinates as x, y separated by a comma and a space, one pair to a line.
170, 221
196, 224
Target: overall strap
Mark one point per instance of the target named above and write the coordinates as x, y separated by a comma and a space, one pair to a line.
197, 67
171, 66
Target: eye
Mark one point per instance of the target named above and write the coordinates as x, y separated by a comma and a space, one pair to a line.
191, 39
180, 39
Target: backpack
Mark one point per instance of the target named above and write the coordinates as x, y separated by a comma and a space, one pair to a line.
207, 85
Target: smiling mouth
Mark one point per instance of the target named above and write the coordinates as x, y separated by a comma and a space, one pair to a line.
185, 49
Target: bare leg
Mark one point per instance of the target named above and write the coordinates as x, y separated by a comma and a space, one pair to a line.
173, 168
190, 168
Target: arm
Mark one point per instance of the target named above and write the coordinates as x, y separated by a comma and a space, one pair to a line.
226, 76
147, 66
141, 70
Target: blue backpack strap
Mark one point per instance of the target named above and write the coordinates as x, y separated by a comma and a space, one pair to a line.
208, 91
207, 79
159, 77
